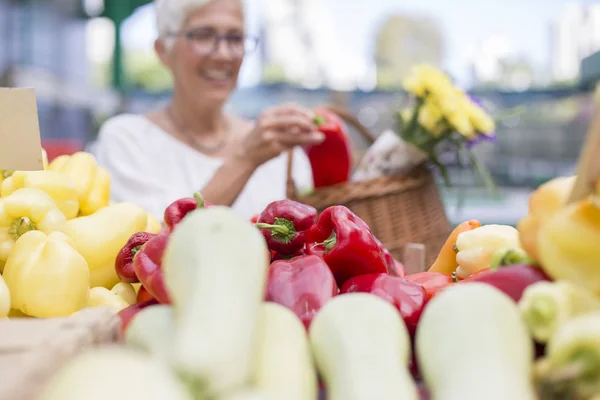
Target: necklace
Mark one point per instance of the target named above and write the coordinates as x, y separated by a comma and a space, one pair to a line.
193, 141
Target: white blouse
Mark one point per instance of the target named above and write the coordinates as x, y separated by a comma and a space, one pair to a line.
151, 168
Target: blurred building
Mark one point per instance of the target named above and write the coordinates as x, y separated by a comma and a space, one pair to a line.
43, 45
575, 36
301, 46
404, 41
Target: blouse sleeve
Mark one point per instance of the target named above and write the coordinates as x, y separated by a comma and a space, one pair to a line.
134, 177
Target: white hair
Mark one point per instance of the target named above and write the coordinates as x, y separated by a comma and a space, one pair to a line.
171, 15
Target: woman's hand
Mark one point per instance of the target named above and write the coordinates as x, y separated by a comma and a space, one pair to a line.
279, 129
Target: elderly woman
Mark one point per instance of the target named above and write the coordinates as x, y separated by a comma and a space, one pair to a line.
192, 144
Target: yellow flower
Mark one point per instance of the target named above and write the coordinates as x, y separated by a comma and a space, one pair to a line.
431, 118
424, 79
460, 122
480, 120
453, 105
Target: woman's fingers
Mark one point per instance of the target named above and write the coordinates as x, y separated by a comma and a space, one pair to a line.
312, 138
287, 123
289, 109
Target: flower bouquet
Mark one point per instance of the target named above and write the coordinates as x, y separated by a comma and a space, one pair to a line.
442, 117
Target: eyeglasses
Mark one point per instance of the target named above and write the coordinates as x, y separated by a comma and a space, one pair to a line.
206, 42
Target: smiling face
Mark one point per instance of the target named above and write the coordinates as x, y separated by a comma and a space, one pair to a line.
203, 71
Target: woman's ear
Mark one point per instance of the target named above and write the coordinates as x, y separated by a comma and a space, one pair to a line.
161, 51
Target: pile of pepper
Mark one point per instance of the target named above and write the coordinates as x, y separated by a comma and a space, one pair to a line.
59, 236
316, 257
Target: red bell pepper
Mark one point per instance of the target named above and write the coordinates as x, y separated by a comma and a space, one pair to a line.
432, 282
346, 244
284, 223
277, 257
177, 210
512, 280
408, 297
127, 314
303, 284
143, 295
331, 161
124, 259
147, 265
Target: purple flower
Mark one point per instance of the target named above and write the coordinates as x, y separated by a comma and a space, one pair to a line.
481, 138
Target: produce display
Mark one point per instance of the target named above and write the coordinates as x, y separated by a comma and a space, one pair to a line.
59, 238
296, 305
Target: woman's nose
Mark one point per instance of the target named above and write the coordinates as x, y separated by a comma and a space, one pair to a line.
222, 50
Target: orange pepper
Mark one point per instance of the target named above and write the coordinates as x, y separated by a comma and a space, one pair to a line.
446, 263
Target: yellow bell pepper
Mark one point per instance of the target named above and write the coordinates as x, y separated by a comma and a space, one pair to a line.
6, 173
102, 297
92, 182
46, 276
126, 291
477, 247
56, 185
5, 305
17, 314
100, 236
569, 245
152, 225
543, 202
100, 195
45, 158
27, 210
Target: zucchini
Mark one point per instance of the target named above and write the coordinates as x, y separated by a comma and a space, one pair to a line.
215, 269
284, 368
471, 344
362, 349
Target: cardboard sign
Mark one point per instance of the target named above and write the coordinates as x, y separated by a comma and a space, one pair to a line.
588, 170
20, 140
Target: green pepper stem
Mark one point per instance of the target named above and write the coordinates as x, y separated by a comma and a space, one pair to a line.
572, 380
454, 277
7, 173
319, 120
135, 250
199, 200
21, 226
541, 313
280, 229
330, 242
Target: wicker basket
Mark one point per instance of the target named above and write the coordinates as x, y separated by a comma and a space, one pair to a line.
399, 209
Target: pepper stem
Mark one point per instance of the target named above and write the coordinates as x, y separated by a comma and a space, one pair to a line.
21, 226
7, 173
541, 315
282, 229
199, 200
319, 120
575, 379
454, 277
135, 250
330, 242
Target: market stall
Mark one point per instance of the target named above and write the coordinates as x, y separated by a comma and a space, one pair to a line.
317, 297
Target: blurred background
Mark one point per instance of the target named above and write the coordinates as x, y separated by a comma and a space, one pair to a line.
536, 62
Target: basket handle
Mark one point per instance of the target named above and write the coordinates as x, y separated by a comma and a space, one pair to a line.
348, 117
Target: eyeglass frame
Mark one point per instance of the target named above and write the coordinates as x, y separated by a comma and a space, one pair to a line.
217, 40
